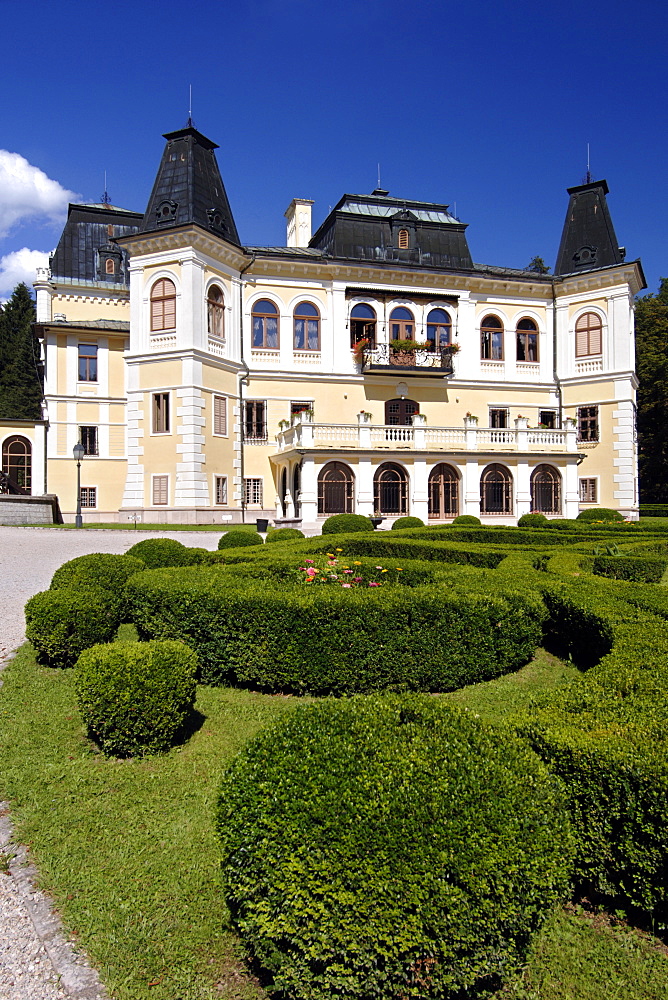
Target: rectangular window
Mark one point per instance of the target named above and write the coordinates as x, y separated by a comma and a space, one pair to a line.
220, 415
160, 490
89, 496
161, 413
221, 489
491, 345
547, 418
300, 407
588, 491
587, 423
88, 438
527, 347
498, 418
253, 492
88, 362
255, 421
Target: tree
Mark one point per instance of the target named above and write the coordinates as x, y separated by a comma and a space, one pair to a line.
20, 368
538, 266
652, 369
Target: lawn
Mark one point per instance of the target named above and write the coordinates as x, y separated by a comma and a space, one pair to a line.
127, 851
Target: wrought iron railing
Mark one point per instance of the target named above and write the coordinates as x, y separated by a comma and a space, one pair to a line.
385, 356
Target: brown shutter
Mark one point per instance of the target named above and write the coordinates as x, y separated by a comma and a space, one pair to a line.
160, 489
219, 415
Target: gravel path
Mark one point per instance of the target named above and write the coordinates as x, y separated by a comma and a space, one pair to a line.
36, 960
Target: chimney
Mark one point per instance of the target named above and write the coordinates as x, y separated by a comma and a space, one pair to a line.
298, 214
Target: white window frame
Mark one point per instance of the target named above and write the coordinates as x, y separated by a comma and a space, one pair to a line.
85, 501
216, 481
259, 488
588, 479
154, 432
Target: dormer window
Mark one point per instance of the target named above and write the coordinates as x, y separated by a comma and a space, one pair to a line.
110, 266
403, 239
166, 212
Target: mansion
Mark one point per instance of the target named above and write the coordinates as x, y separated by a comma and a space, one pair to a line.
369, 367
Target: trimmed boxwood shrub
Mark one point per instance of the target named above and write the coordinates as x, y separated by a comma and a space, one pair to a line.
278, 636
467, 519
390, 848
407, 522
600, 514
136, 696
285, 534
156, 552
235, 539
99, 571
641, 570
62, 623
532, 521
339, 523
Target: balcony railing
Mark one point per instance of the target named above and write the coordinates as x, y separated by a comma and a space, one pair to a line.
384, 357
364, 435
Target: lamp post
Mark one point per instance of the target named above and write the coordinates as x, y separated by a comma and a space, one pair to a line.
78, 452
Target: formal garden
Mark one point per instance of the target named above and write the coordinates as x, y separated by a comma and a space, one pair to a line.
426, 762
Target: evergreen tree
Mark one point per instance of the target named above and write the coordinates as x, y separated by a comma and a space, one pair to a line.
20, 367
652, 369
538, 266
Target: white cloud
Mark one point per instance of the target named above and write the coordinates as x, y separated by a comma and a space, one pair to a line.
27, 193
20, 265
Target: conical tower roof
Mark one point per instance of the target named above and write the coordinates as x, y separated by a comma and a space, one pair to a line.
588, 239
188, 188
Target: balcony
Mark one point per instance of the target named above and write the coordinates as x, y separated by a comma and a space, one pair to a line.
363, 435
430, 363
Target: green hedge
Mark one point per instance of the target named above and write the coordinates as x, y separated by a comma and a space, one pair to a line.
641, 570
389, 848
62, 623
135, 697
157, 552
600, 514
468, 519
532, 521
236, 539
285, 535
654, 509
341, 523
279, 636
407, 522
99, 571
383, 545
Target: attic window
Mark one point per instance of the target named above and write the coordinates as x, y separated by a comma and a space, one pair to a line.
110, 230
110, 266
403, 239
166, 212
585, 256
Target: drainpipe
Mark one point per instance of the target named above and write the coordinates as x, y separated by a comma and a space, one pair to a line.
242, 378
555, 376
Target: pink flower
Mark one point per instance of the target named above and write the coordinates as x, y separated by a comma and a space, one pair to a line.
357, 579
372, 584
311, 561
347, 571
311, 571
349, 585
377, 567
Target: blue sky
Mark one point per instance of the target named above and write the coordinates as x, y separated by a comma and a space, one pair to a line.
484, 106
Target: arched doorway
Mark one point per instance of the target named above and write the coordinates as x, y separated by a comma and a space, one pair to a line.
17, 463
390, 490
284, 492
297, 488
546, 490
401, 411
443, 491
496, 490
335, 489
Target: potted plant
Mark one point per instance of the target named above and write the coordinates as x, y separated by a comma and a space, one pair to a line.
376, 519
402, 352
359, 350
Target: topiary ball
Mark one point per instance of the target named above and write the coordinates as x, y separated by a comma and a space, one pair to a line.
390, 847
600, 514
235, 539
465, 519
285, 534
407, 522
135, 696
62, 623
338, 524
99, 571
532, 521
159, 552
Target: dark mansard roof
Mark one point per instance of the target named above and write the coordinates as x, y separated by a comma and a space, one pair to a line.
588, 240
86, 244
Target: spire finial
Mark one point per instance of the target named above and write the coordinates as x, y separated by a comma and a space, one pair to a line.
190, 123
587, 179
106, 200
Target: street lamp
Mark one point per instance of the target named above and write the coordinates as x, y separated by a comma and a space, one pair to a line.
78, 452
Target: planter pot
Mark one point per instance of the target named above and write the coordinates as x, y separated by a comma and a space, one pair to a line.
262, 524
376, 521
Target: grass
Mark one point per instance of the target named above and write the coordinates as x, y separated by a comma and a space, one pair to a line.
139, 526
127, 851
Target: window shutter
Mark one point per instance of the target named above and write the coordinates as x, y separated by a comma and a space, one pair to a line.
219, 415
160, 489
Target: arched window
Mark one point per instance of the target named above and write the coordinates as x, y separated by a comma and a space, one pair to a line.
491, 339
306, 327
335, 489
110, 266
403, 239
17, 463
265, 325
390, 490
443, 491
496, 490
588, 335
362, 324
527, 341
401, 411
402, 324
546, 490
163, 306
439, 329
215, 312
